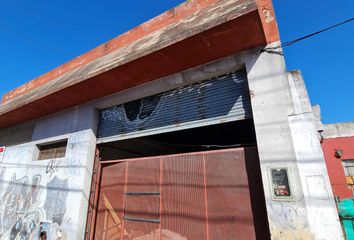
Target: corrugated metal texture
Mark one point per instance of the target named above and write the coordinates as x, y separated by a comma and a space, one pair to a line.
194, 196
14, 136
220, 99
142, 206
183, 197
111, 203
228, 196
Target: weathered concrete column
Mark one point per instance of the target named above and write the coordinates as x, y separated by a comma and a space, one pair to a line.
321, 208
280, 147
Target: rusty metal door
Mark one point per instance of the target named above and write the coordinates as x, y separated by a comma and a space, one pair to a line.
203, 195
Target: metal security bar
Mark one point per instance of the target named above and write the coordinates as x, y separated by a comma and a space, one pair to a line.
142, 194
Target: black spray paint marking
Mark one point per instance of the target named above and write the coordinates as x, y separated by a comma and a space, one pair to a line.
52, 167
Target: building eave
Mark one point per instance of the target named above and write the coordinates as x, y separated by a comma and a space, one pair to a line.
208, 33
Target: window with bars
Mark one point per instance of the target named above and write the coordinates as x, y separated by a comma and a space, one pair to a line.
52, 150
348, 166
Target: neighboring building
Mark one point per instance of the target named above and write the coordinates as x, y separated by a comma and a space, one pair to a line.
182, 128
338, 149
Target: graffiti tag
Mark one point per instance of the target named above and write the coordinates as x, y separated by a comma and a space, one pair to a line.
52, 167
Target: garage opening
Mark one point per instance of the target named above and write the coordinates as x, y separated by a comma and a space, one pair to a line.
171, 185
201, 195
182, 165
221, 136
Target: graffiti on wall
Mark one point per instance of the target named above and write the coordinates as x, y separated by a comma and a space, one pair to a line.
52, 167
22, 208
288, 220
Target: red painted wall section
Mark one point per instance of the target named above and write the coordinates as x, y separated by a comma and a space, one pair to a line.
334, 164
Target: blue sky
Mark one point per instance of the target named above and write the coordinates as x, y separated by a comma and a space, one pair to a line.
38, 35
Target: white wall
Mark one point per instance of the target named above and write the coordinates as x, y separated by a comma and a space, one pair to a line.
57, 190
287, 138
321, 207
338, 130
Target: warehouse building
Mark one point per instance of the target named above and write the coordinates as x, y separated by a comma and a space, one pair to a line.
186, 127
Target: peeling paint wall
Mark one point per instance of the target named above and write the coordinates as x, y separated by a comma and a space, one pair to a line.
55, 190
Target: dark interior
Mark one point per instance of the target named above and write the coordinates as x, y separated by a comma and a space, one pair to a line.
220, 136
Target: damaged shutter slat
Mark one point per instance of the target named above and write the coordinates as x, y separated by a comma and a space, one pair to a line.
220, 99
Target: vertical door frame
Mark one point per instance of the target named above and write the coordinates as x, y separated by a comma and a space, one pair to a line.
94, 194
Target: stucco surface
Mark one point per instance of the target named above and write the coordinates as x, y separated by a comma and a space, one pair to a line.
55, 190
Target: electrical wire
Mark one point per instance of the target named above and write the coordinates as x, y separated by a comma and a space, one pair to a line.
288, 43
28, 39
206, 145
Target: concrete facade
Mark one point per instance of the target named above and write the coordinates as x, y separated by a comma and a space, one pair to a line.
286, 137
54, 190
338, 130
321, 208
151, 60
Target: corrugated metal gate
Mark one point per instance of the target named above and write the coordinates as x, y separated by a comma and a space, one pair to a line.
220, 99
203, 195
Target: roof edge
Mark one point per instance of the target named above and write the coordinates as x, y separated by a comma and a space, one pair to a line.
167, 18
137, 49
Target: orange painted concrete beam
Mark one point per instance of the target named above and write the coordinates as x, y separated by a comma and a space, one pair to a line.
168, 18
192, 34
269, 23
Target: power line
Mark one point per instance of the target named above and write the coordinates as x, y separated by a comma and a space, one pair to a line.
288, 43
205, 145
28, 39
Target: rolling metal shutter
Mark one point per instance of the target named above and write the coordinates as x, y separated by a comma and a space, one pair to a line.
221, 99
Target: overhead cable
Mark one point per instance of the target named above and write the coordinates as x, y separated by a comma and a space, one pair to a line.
288, 43
30, 40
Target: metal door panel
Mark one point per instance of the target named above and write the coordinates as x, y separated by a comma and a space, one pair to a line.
202, 195
183, 197
228, 197
109, 220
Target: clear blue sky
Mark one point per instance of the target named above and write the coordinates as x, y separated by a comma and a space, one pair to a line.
34, 33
